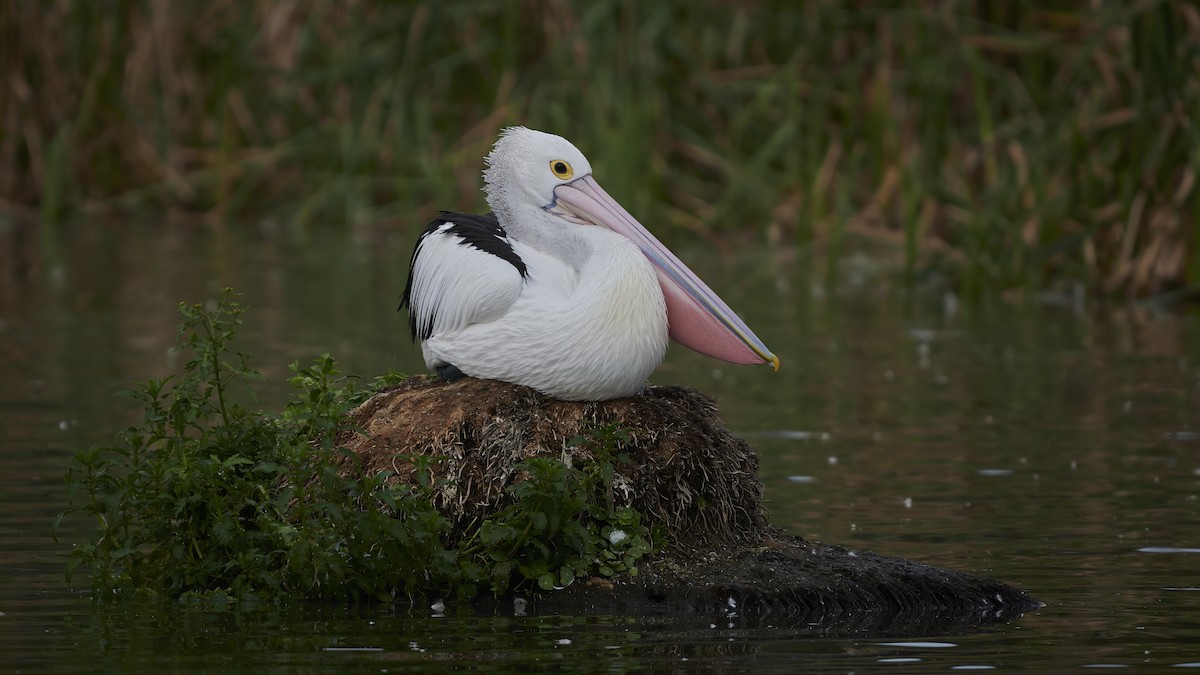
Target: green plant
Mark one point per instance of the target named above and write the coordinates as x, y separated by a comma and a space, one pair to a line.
562, 522
1014, 145
209, 497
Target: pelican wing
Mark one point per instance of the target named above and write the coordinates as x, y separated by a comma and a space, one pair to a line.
464, 270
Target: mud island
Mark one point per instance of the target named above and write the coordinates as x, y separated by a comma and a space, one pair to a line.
690, 478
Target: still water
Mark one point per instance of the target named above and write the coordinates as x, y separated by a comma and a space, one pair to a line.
1041, 441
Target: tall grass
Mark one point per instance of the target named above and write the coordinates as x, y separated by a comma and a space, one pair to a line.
1018, 145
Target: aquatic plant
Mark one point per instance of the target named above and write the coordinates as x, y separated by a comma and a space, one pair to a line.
210, 496
1014, 145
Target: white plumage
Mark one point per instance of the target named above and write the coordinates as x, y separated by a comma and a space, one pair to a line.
456, 285
544, 293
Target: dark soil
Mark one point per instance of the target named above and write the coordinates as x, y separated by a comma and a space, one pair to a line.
687, 473
825, 589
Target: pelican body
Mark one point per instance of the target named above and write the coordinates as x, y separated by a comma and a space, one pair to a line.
560, 288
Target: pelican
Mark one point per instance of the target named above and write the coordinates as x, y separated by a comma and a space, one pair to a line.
559, 288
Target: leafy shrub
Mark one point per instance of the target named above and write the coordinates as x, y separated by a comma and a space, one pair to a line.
565, 521
208, 496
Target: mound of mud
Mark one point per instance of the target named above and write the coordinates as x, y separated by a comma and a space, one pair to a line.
689, 474
687, 471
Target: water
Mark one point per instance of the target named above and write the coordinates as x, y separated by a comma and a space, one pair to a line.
1051, 448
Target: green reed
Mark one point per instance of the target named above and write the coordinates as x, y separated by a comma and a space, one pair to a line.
1012, 145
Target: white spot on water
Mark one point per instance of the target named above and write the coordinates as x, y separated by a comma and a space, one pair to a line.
798, 435
908, 502
922, 335
923, 355
950, 305
832, 459
995, 472
801, 479
919, 644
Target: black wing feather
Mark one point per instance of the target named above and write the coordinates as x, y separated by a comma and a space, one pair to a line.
481, 232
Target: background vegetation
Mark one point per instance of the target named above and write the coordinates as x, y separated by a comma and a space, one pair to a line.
1017, 144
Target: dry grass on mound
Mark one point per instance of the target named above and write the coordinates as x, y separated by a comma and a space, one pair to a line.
687, 471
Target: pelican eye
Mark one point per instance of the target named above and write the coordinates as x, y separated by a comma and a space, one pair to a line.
561, 168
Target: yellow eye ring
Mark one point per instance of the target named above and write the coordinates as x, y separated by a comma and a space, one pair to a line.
561, 168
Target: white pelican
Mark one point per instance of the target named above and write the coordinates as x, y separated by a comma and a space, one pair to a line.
561, 289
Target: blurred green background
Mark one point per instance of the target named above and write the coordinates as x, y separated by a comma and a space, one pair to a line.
1000, 146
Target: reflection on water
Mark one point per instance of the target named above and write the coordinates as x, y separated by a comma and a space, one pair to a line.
1052, 448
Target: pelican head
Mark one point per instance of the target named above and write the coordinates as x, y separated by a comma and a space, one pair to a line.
525, 166
540, 186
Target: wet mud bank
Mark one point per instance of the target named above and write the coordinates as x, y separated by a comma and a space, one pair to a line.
722, 558
819, 588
